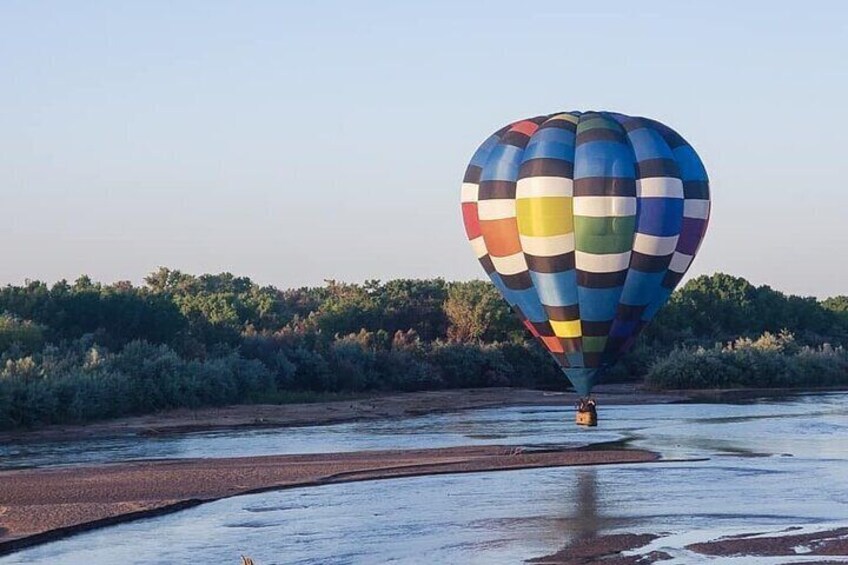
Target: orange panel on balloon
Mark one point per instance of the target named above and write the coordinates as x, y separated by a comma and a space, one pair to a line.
501, 236
553, 344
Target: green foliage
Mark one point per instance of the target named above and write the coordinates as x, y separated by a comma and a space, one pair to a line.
85, 351
23, 334
768, 362
838, 304
476, 311
79, 384
721, 308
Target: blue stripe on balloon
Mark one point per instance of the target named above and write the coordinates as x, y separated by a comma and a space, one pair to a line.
649, 144
661, 217
499, 284
622, 328
691, 167
660, 298
529, 303
482, 154
525, 299
603, 159
549, 150
641, 288
557, 135
503, 163
598, 304
556, 289
575, 359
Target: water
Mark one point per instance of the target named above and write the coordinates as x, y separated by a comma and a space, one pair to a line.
521, 425
772, 465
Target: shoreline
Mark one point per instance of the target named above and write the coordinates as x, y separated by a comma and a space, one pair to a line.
378, 407
43, 505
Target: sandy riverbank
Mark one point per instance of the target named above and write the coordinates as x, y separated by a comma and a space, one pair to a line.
812, 548
38, 505
318, 413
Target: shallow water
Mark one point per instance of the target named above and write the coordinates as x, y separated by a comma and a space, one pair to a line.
518, 425
772, 465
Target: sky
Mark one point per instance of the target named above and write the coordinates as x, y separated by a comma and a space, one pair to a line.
295, 142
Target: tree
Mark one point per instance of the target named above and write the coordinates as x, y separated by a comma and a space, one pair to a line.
476, 311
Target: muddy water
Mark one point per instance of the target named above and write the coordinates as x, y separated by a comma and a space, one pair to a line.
771, 465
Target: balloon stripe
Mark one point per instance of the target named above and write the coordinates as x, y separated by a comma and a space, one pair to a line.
545, 223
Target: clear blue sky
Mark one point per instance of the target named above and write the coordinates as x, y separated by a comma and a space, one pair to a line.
298, 141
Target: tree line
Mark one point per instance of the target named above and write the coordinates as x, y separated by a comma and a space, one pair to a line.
84, 351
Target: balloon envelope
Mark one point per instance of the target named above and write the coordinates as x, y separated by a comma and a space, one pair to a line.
585, 222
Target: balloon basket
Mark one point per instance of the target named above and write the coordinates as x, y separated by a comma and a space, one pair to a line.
587, 418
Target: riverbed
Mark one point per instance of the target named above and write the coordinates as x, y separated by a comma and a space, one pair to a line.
755, 467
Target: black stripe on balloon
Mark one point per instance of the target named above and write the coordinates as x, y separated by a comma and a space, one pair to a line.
628, 313
633, 123
571, 344
519, 313
560, 123
608, 357
601, 280
515, 138
544, 329
546, 168
671, 137
563, 313
671, 279
555, 264
494, 189
595, 329
604, 186
518, 281
472, 174
539, 120
657, 168
488, 266
601, 134
696, 189
593, 360
649, 263
615, 344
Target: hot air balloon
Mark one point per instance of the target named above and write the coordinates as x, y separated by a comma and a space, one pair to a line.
585, 222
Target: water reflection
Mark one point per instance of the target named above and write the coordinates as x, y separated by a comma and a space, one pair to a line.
587, 514
587, 520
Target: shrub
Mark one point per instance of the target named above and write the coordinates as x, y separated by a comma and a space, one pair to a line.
770, 361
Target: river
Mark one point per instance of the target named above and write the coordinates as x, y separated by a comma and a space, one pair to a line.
759, 466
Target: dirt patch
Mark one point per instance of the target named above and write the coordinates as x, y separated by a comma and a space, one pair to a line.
604, 549
44, 504
830, 543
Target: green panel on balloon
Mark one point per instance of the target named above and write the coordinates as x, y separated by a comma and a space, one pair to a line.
604, 235
597, 123
593, 344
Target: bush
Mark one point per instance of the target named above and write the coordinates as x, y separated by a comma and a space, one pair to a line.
91, 384
26, 335
771, 361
